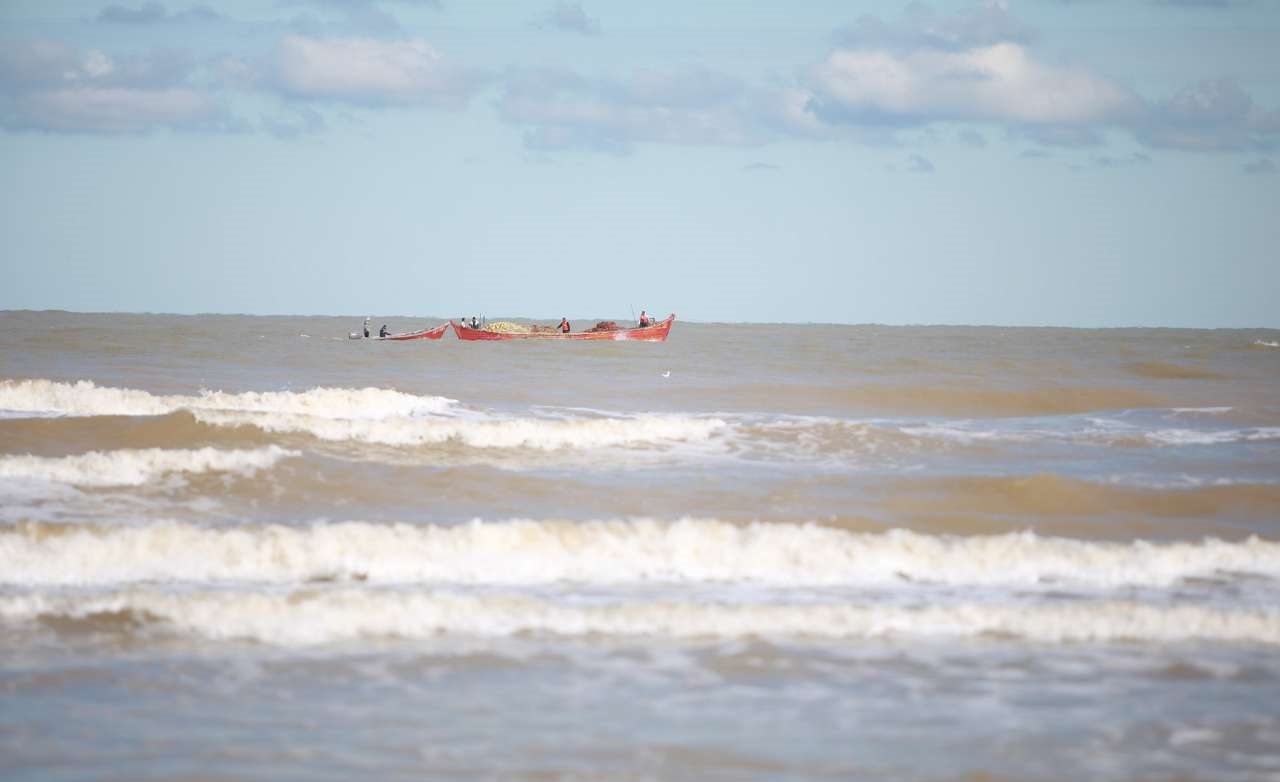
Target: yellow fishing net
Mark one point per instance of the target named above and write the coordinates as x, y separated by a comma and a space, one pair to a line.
507, 327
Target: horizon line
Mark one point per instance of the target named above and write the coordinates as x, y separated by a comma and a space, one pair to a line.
679, 319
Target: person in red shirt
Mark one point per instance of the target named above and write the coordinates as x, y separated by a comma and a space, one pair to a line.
564, 325
644, 319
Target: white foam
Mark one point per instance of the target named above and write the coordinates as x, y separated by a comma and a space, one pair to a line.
128, 467
84, 398
369, 415
537, 433
1265, 344
1098, 431
1205, 410
1212, 437
313, 616
603, 552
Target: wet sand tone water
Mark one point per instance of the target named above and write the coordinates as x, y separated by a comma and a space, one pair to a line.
250, 548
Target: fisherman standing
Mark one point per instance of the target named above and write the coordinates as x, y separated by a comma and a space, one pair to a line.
564, 326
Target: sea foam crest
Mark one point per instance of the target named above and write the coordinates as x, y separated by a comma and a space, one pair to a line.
370, 415
538, 433
1211, 437
602, 552
315, 616
84, 398
129, 467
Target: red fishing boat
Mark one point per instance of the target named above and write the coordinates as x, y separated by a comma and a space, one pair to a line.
432, 333
654, 333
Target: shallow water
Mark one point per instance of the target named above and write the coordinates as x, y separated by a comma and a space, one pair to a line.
249, 547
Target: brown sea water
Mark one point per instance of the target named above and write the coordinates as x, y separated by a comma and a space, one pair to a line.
251, 548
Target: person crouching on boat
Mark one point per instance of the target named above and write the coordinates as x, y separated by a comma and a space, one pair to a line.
564, 325
644, 319
384, 331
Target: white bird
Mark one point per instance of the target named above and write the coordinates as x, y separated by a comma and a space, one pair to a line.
667, 373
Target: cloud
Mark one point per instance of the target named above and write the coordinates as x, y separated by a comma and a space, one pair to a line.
570, 18
144, 14
153, 13
1200, 3
296, 121
979, 66
370, 72
1000, 82
1126, 161
1215, 115
115, 109
1261, 166
1061, 135
683, 106
919, 165
923, 28
46, 85
366, 17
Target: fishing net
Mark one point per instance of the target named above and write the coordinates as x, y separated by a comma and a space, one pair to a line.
507, 327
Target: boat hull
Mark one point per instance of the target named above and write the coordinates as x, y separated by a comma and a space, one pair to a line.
432, 333
656, 333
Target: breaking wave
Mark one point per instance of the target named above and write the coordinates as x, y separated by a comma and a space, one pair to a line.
538, 433
130, 467
601, 552
314, 616
367, 415
84, 398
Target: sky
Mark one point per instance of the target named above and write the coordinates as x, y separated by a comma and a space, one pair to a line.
1048, 162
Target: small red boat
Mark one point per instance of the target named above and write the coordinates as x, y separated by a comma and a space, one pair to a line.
432, 333
654, 333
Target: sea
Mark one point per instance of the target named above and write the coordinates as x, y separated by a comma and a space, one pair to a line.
251, 548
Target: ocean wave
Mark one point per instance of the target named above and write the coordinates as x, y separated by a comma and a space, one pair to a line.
601, 552
135, 467
1262, 343
1094, 431
537, 433
316, 616
85, 398
1212, 437
367, 415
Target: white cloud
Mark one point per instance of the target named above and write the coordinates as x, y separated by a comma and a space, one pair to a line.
50, 86
1215, 115
115, 109
371, 71
1000, 82
684, 106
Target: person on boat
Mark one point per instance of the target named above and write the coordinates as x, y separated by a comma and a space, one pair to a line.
564, 326
384, 331
475, 324
366, 328
644, 319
